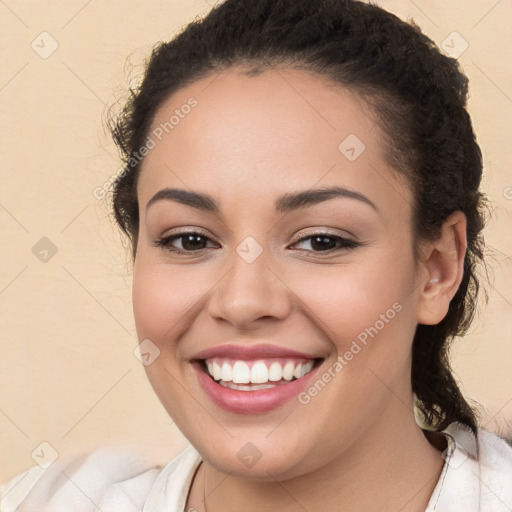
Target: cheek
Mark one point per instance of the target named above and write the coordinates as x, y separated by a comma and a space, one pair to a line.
366, 311
349, 299
161, 297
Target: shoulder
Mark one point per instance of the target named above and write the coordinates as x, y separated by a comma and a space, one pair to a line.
477, 473
495, 450
495, 457
172, 486
119, 476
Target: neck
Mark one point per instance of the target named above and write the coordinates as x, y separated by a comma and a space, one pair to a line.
388, 469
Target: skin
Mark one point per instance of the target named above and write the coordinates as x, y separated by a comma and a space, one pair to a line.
248, 141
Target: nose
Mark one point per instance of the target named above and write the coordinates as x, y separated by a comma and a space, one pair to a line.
250, 292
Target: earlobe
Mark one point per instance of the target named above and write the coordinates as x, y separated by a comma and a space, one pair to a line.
443, 264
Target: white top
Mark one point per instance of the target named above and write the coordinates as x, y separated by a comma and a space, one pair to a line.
475, 478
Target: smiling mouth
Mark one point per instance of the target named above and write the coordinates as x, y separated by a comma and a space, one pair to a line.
259, 374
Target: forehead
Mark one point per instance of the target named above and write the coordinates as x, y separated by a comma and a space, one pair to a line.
265, 134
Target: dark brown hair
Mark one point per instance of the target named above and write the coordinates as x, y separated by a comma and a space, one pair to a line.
418, 94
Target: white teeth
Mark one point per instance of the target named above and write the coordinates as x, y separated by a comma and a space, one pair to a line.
246, 387
216, 371
288, 370
259, 373
306, 368
241, 373
275, 372
226, 372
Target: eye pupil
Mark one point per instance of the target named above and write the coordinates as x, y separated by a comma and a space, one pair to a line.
320, 242
192, 241
195, 242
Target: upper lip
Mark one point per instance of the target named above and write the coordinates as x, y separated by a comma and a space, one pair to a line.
250, 352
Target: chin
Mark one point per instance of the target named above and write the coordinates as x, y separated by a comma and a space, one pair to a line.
259, 459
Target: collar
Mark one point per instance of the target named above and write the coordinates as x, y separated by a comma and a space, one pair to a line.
458, 487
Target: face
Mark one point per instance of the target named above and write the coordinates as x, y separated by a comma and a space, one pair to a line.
268, 280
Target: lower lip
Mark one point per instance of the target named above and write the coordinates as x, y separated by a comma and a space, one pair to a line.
250, 402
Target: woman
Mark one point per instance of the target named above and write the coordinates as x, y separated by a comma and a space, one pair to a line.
301, 191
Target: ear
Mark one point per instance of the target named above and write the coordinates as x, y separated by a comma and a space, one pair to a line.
443, 265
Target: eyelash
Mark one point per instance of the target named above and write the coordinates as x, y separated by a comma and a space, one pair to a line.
165, 242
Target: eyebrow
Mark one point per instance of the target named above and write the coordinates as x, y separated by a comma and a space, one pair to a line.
286, 203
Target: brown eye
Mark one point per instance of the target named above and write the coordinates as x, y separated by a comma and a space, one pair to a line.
191, 242
323, 242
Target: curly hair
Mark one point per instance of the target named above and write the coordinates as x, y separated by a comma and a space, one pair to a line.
419, 97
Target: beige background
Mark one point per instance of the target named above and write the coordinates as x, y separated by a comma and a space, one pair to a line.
68, 375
